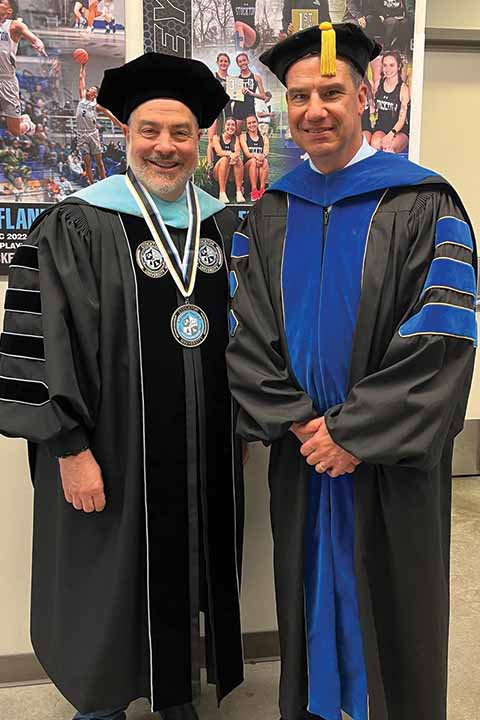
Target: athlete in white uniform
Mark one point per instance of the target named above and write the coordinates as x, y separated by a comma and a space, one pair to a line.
108, 11
89, 143
11, 32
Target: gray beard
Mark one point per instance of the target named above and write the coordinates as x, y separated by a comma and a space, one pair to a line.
163, 186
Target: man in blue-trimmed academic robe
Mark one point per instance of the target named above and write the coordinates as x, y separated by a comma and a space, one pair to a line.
353, 330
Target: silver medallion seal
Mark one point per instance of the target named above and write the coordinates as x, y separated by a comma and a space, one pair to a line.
210, 256
150, 259
189, 325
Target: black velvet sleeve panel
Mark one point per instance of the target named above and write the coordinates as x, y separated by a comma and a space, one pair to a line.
50, 383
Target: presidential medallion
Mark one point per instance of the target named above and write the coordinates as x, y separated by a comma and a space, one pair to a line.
210, 256
189, 325
150, 259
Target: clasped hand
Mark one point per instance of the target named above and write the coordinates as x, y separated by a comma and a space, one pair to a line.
320, 450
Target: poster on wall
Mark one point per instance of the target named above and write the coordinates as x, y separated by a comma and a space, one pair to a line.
230, 35
54, 139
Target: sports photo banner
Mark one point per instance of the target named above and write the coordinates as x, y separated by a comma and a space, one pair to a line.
230, 35
53, 139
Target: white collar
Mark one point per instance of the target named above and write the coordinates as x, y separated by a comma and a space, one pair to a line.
364, 152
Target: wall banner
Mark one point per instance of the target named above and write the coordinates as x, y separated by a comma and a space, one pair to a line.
15, 221
168, 26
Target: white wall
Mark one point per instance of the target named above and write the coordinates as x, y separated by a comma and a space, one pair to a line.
449, 145
445, 13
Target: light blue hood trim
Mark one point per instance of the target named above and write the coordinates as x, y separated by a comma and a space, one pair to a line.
113, 194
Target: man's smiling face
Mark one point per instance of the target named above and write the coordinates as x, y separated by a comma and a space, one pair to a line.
324, 113
162, 146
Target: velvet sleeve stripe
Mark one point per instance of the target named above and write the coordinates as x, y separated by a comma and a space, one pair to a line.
233, 283
451, 274
240, 244
26, 392
453, 231
19, 300
26, 256
18, 345
233, 322
442, 319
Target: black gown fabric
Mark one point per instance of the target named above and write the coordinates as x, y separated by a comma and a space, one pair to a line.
406, 402
116, 595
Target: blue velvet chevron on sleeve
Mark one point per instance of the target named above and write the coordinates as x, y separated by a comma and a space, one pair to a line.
453, 231
239, 245
442, 319
451, 274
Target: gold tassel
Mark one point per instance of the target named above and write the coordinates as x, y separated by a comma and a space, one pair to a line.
328, 55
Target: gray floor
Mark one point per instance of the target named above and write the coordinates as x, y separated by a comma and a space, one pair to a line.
256, 699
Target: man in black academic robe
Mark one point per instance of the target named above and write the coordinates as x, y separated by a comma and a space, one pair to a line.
353, 330
118, 381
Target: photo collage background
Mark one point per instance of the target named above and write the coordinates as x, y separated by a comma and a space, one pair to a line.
50, 144
230, 35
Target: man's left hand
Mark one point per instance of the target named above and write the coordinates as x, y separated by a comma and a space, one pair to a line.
320, 450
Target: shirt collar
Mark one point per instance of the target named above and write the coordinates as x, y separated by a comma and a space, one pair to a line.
365, 151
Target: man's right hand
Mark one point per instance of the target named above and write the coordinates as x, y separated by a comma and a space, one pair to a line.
82, 482
362, 21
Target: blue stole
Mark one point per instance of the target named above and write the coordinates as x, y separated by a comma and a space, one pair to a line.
321, 284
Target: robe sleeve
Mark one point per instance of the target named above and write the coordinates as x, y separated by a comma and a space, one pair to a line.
49, 376
226, 223
260, 378
406, 411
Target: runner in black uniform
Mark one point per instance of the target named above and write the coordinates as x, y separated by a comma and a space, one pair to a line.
391, 100
388, 21
226, 157
255, 150
244, 23
252, 88
398, 25
366, 14
223, 63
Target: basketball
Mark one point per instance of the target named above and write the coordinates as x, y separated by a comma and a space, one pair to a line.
80, 56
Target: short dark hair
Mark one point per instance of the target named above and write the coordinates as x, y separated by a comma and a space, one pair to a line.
222, 54
241, 54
